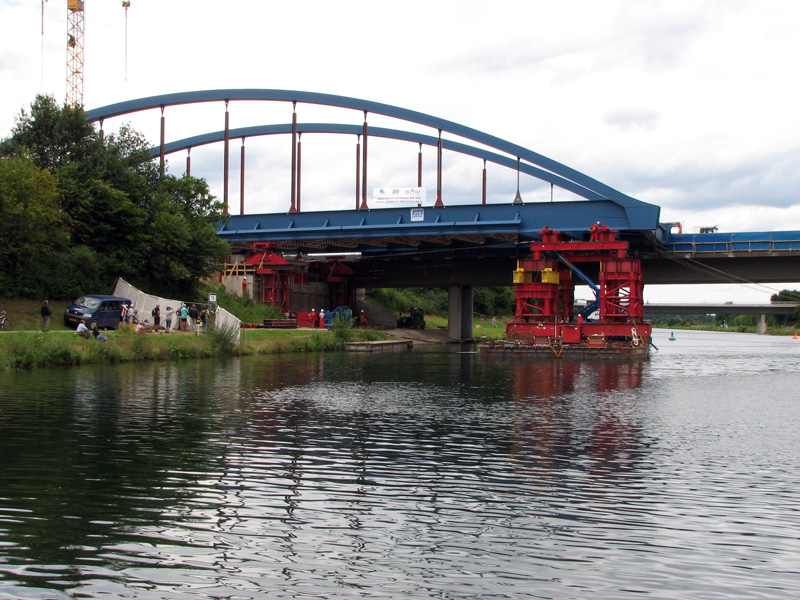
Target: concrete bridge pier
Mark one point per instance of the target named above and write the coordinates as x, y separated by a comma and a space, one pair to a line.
459, 312
761, 328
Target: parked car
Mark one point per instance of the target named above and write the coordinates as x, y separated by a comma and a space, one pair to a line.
103, 310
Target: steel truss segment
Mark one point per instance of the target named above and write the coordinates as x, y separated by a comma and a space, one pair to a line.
472, 239
378, 242
403, 241
441, 240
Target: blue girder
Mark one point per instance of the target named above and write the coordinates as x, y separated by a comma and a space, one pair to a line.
595, 290
494, 222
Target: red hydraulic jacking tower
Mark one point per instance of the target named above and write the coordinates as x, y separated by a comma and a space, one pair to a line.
544, 290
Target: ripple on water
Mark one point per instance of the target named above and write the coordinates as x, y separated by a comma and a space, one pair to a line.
444, 476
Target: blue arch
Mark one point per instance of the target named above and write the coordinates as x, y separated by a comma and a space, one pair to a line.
599, 191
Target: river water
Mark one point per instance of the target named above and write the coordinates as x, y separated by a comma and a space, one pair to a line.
433, 473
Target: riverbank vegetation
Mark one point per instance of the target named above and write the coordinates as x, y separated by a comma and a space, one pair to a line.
245, 309
487, 301
25, 350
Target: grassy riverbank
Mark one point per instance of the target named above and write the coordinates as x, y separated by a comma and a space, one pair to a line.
25, 347
25, 350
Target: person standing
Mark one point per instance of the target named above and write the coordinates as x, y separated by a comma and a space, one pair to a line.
184, 317
157, 315
244, 287
193, 318
46, 312
168, 321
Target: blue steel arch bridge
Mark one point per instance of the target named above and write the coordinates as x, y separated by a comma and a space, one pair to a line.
441, 244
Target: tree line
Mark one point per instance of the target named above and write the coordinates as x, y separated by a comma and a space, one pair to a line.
79, 209
487, 301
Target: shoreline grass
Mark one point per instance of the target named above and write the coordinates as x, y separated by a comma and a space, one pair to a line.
29, 350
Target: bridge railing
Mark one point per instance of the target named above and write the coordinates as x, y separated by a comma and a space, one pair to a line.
726, 243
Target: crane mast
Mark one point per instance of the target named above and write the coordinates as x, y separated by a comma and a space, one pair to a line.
75, 23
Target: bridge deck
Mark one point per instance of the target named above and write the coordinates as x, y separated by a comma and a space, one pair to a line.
429, 228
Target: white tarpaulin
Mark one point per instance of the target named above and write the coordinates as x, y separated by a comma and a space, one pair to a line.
225, 319
145, 303
401, 197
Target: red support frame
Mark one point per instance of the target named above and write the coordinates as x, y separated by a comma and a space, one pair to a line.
544, 290
621, 291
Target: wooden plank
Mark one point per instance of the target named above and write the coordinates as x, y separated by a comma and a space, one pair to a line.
379, 346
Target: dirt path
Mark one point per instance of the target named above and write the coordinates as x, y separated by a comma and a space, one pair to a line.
422, 336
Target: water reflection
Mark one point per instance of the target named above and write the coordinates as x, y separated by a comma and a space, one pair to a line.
435, 474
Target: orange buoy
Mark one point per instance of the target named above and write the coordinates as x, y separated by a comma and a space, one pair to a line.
794, 337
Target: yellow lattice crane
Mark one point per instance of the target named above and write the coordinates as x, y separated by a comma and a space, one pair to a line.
75, 21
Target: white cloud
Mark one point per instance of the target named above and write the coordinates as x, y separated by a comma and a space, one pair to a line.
627, 119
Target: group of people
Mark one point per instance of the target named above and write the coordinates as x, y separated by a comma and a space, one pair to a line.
87, 332
315, 320
318, 320
129, 314
187, 318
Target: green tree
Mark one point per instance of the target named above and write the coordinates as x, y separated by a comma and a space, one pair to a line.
788, 296
52, 137
114, 207
183, 237
31, 226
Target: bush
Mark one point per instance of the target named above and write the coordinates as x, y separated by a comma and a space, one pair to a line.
223, 337
342, 328
245, 309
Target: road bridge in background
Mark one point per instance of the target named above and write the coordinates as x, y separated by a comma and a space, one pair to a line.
763, 310
679, 308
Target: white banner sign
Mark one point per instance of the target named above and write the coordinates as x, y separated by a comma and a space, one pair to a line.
399, 196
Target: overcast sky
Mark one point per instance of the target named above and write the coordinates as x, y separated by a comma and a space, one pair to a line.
691, 105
